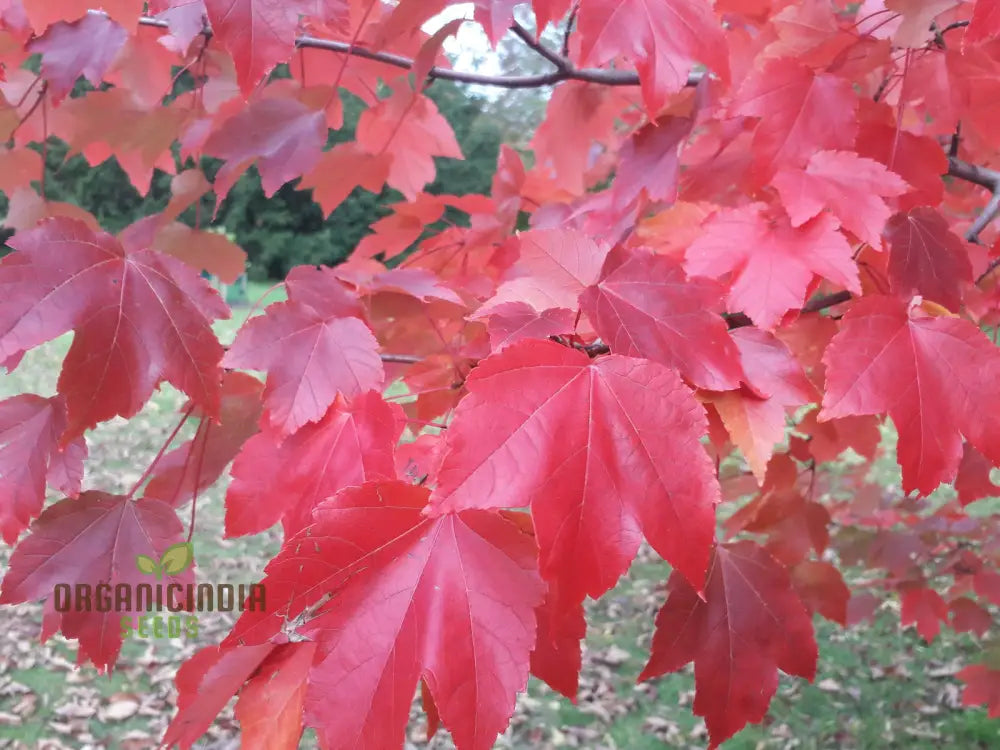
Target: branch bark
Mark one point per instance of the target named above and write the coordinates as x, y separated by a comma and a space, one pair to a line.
984, 177
565, 72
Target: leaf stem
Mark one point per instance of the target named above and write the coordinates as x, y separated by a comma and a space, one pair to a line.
159, 455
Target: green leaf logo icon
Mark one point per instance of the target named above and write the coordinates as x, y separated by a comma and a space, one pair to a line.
177, 558
147, 565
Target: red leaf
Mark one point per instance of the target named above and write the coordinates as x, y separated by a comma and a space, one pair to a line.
350, 445
556, 659
650, 161
30, 458
925, 608
205, 683
202, 250
139, 317
757, 424
579, 441
553, 268
973, 479
258, 34
969, 617
196, 465
310, 357
270, 706
282, 134
985, 22
851, 187
409, 128
822, 589
456, 594
93, 539
663, 38
750, 624
772, 263
43, 13
935, 377
927, 258
645, 306
86, 47
340, 170
982, 687
801, 112
510, 322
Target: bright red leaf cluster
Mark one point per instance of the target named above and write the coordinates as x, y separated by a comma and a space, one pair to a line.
746, 235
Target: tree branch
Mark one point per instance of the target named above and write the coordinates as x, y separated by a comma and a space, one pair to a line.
567, 72
984, 177
528, 38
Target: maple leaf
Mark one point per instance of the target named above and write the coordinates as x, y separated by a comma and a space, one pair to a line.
650, 160
340, 170
800, 112
972, 482
283, 135
196, 465
86, 47
409, 128
44, 13
202, 250
353, 443
969, 617
510, 322
772, 263
580, 442
985, 22
926, 609
927, 258
755, 416
821, 588
270, 705
460, 591
982, 687
310, 353
851, 187
258, 34
30, 458
139, 318
92, 539
206, 682
750, 624
935, 377
554, 266
646, 306
663, 38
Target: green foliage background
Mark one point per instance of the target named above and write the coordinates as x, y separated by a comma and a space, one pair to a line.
288, 229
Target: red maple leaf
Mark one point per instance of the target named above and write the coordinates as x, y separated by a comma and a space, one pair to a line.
460, 591
139, 318
851, 187
596, 477
312, 348
772, 263
353, 443
93, 539
663, 38
86, 47
750, 624
934, 376
646, 306
927, 258
31, 458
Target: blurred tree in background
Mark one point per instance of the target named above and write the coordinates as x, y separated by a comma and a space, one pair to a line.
287, 229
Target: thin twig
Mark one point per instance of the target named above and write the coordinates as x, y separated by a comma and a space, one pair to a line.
984, 177
163, 449
528, 38
589, 75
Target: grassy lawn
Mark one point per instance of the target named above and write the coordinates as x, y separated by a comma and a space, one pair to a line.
877, 686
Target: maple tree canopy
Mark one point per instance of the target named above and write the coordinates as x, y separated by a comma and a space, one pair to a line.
747, 236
